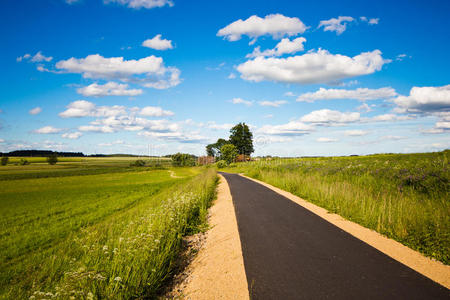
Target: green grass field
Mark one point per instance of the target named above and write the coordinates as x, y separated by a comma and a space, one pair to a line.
403, 196
96, 228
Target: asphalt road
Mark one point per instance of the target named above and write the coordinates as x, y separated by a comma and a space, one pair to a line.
291, 253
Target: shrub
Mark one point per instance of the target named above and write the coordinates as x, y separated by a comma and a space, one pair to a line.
23, 162
52, 159
138, 163
229, 153
183, 160
4, 160
221, 164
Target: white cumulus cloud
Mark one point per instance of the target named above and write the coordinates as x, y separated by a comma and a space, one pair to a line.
294, 128
313, 67
361, 94
241, 101
276, 103
157, 43
108, 89
275, 25
47, 130
35, 111
339, 25
356, 132
285, 46
330, 117
141, 3
72, 135
38, 57
425, 100
148, 71
83, 108
155, 111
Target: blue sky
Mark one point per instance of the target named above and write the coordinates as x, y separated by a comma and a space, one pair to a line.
160, 76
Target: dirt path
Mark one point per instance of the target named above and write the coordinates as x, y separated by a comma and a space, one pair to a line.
217, 272
172, 174
292, 253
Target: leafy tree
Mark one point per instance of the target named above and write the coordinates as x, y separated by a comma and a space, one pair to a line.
242, 138
52, 159
5, 160
229, 153
23, 162
183, 160
214, 149
138, 163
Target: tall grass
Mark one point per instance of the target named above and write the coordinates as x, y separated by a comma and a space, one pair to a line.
405, 197
129, 253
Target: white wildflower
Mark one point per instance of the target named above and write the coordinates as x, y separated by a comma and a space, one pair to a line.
118, 279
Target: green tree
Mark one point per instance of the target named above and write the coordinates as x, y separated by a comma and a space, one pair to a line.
214, 149
52, 159
242, 138
5, 160
229, 153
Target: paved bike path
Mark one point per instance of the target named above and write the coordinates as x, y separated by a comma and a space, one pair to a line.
291, 253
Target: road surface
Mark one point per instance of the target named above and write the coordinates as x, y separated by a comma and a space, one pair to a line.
291, 253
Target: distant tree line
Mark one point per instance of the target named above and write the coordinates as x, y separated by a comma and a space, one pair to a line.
42, 153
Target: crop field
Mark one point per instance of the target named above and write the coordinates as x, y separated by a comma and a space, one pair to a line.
403, 196
96, 228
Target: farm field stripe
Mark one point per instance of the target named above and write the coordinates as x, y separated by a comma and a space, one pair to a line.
432, 269
217, 272
291, 253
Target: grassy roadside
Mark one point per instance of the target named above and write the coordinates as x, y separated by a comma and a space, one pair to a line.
108, 236
405, 197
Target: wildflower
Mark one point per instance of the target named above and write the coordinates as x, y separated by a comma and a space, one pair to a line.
90, 296
118, 279
157, 241
32, 297
105, 248
153, 270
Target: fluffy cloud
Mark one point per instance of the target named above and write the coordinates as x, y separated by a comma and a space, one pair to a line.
294, 128
213, 125
48, 130
155, 111
361, 94
276, 103
92, 128
141, 3
72, 135
424, 100
38, 57
83, 108
35, 111
371, 21
157, 43
148, 71
241, 101
356, 132
275, 25
283, 47
330, 117
108, 89
388, 118
338, 25
326, 140
231, 76
175, 136
312, 67
2, 140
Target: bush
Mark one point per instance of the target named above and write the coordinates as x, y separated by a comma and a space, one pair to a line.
4, 160
52, 159
229, 153
221, 164
23, 162
138, 163
183, 160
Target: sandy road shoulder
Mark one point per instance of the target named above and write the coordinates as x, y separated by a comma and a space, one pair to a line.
218, 272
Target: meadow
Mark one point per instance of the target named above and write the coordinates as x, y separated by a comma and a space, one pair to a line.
402, 196
96, 228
